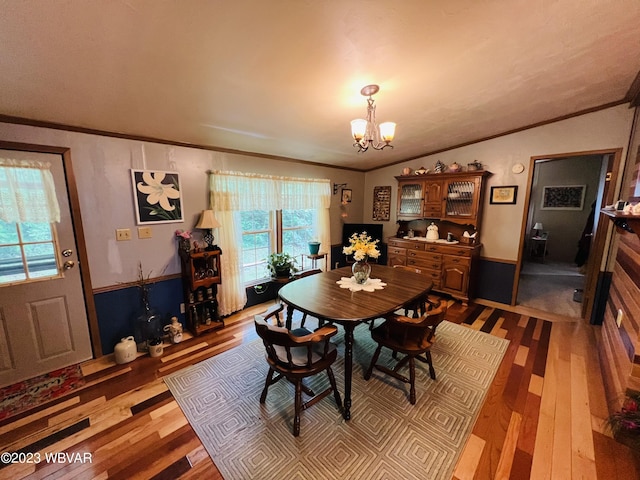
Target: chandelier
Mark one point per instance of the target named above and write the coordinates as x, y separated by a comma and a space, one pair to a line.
367, 133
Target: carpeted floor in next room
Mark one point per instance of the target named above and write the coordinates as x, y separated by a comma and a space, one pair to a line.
550, 287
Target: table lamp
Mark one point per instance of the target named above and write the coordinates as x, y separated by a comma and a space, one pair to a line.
207, 222
537, 227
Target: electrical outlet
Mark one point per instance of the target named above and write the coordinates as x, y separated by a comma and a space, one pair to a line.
619, 317
182, 308
123, 234
144, 232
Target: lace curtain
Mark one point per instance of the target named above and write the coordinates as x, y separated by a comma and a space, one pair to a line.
27, 192
233, 192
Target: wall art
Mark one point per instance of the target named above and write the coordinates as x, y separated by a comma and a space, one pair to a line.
504, 195
157, 196
381, 203
563, 197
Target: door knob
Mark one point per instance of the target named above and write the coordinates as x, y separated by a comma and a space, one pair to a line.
67, 253
68, 265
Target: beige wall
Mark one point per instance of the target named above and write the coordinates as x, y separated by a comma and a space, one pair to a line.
500, 229
102, 169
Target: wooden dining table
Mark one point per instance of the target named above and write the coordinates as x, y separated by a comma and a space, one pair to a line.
320, 296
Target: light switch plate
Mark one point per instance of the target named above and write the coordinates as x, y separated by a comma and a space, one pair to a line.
144, 232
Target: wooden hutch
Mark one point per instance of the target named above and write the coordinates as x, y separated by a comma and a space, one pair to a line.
452, 201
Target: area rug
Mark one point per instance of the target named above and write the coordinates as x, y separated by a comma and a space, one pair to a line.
30, 393
386, 438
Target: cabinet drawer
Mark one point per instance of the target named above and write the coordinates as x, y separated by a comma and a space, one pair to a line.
433, 274
429, 256
455, 250
418, 262
396, 251
451, 260
399, 243
432, 211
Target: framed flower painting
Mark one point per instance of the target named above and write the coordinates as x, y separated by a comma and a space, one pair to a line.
157, 196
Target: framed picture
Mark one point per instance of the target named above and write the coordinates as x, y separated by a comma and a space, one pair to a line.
346, 195
563, 197
157, 196
381, 203
504, 195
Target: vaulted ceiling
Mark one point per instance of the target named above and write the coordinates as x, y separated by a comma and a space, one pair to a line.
283, 77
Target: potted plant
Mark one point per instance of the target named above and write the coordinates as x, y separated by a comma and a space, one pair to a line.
281, 265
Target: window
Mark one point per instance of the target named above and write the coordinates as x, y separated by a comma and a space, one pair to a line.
265, 232
28, 211
27, 252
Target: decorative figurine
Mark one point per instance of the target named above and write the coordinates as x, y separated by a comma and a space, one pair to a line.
432, 232
454, 167
175, 330
439, 167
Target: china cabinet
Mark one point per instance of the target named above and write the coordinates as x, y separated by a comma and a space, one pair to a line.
200, 279
455, 197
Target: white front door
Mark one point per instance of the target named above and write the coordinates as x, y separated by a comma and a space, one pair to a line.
43, 319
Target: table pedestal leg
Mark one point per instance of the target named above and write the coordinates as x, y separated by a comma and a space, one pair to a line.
348, 368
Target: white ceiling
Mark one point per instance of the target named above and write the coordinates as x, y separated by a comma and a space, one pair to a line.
283, 77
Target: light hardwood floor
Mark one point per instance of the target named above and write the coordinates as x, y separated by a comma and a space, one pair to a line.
542, 418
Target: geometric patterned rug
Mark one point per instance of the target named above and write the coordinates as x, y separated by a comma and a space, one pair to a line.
386, 438
24, 395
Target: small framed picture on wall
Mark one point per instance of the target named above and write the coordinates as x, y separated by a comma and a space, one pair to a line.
346, 195
504, 195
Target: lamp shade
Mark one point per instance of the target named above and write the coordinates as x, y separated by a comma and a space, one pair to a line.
387, 131
207, 220
537, 226
358, 129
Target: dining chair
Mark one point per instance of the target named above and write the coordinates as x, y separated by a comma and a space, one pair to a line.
410, 336
307, 273
421, 305
296, 356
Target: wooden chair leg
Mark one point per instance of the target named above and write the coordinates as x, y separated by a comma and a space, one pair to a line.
298, 408
267, 382
412, 381
432, 371
374, 359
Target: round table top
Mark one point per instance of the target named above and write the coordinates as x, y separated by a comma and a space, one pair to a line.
320, 296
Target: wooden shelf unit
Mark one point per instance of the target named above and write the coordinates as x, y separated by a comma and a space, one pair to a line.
200, 279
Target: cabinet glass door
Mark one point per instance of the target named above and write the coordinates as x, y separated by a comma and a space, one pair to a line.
460, 196
411, 200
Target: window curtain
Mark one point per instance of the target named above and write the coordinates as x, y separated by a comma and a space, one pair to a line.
233, 192
27, 192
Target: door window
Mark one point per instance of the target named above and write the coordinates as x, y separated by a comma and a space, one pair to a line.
27, 252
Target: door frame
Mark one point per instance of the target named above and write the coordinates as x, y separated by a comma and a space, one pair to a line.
76, 218
601, 235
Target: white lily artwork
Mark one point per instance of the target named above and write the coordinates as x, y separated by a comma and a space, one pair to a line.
157, 196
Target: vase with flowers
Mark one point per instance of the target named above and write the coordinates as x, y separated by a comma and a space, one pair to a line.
362, 247
184, 240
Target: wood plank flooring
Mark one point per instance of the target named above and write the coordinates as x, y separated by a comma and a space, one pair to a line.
542, 418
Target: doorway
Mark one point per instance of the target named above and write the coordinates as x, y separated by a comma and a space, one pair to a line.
559, 255
45, 319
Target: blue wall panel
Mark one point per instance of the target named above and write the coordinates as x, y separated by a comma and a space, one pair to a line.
118, 309
495, 281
